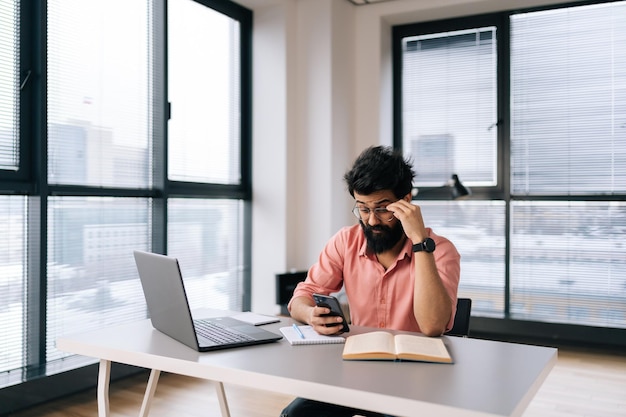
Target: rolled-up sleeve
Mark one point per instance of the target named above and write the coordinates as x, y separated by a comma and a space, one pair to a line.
326, 275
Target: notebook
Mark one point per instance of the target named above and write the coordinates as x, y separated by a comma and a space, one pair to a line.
169, 311
309, 336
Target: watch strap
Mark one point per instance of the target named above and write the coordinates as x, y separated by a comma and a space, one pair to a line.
428, 246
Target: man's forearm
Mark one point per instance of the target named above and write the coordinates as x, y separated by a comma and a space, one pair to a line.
300, 309
432, 305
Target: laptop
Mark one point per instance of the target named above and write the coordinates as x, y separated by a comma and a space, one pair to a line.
169, 311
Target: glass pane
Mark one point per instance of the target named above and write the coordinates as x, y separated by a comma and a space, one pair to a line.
99, 93
92, 278
203, 88
477, 229
9, 84
568, 86
568, 262
449, 105
207, 236
12, 279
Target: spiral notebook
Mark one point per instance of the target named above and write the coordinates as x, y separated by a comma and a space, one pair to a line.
311, 337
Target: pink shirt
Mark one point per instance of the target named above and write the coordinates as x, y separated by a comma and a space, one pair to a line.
377, 297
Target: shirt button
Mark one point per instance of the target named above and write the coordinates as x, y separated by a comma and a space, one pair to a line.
381, 324
382, 301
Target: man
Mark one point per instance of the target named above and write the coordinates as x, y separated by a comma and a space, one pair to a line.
397, 273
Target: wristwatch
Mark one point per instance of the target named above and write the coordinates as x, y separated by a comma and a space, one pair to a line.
428, 246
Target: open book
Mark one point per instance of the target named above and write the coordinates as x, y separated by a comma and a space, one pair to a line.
385, 346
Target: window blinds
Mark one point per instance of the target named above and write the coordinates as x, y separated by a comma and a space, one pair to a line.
568, 101
449, 105
99, 93
99, 134
568, 138
9, 85
12, 282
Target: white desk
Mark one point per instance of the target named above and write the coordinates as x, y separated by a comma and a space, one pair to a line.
488, 378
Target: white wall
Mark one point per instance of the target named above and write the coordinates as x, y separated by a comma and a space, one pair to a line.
321, 94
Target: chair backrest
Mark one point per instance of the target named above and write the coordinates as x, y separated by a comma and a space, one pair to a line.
462, 318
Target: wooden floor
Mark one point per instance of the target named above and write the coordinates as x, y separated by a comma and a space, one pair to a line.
583, 384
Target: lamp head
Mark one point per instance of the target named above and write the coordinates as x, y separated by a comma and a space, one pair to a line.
458, 190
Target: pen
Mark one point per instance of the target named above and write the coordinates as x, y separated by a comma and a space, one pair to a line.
298, 331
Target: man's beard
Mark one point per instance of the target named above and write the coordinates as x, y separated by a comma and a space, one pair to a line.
386, 239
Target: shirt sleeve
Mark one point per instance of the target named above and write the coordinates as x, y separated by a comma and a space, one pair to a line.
326, 275
448, 261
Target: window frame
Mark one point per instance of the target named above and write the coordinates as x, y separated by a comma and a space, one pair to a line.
500, 190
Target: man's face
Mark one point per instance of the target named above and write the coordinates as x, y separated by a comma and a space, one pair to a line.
382, 230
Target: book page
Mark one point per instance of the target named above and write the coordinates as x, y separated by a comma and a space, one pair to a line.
373, 345
421, 348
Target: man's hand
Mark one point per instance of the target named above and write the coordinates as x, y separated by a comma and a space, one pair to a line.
319, 322
304, 310
411, 218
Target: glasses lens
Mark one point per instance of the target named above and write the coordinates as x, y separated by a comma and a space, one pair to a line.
383, 214
361, 214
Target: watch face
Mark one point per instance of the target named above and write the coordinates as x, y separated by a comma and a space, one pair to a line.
429, 245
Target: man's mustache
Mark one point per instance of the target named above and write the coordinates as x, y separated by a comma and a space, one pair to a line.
377, 227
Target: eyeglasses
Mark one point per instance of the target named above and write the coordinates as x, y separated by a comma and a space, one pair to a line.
363, 213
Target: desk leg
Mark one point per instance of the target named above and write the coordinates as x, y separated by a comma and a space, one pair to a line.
221, 397
150, 389
104, 377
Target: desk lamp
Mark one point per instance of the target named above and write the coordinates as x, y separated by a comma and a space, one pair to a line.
457, 190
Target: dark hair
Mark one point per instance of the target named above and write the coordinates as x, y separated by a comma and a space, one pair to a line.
380, 168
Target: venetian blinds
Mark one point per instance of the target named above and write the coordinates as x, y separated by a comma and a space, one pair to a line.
449, 105
568, 101
99, 78
99, 93
9, 85
12, 284
568, 146
12, 208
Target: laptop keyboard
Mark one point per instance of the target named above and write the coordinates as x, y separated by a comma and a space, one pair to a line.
219, 334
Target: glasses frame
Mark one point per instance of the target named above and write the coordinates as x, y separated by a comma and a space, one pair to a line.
378, 211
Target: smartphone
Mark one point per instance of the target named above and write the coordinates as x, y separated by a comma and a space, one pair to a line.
331, 302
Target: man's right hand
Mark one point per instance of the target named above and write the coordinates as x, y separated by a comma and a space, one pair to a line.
304, 310
324, 324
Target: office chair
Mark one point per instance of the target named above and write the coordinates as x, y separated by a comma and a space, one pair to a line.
462, 318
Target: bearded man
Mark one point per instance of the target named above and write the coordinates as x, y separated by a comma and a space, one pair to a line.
397, 273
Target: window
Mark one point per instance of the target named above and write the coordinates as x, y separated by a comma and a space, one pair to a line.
9, 84
205, 106
12, 280
133, 161
528, 108
440, 130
